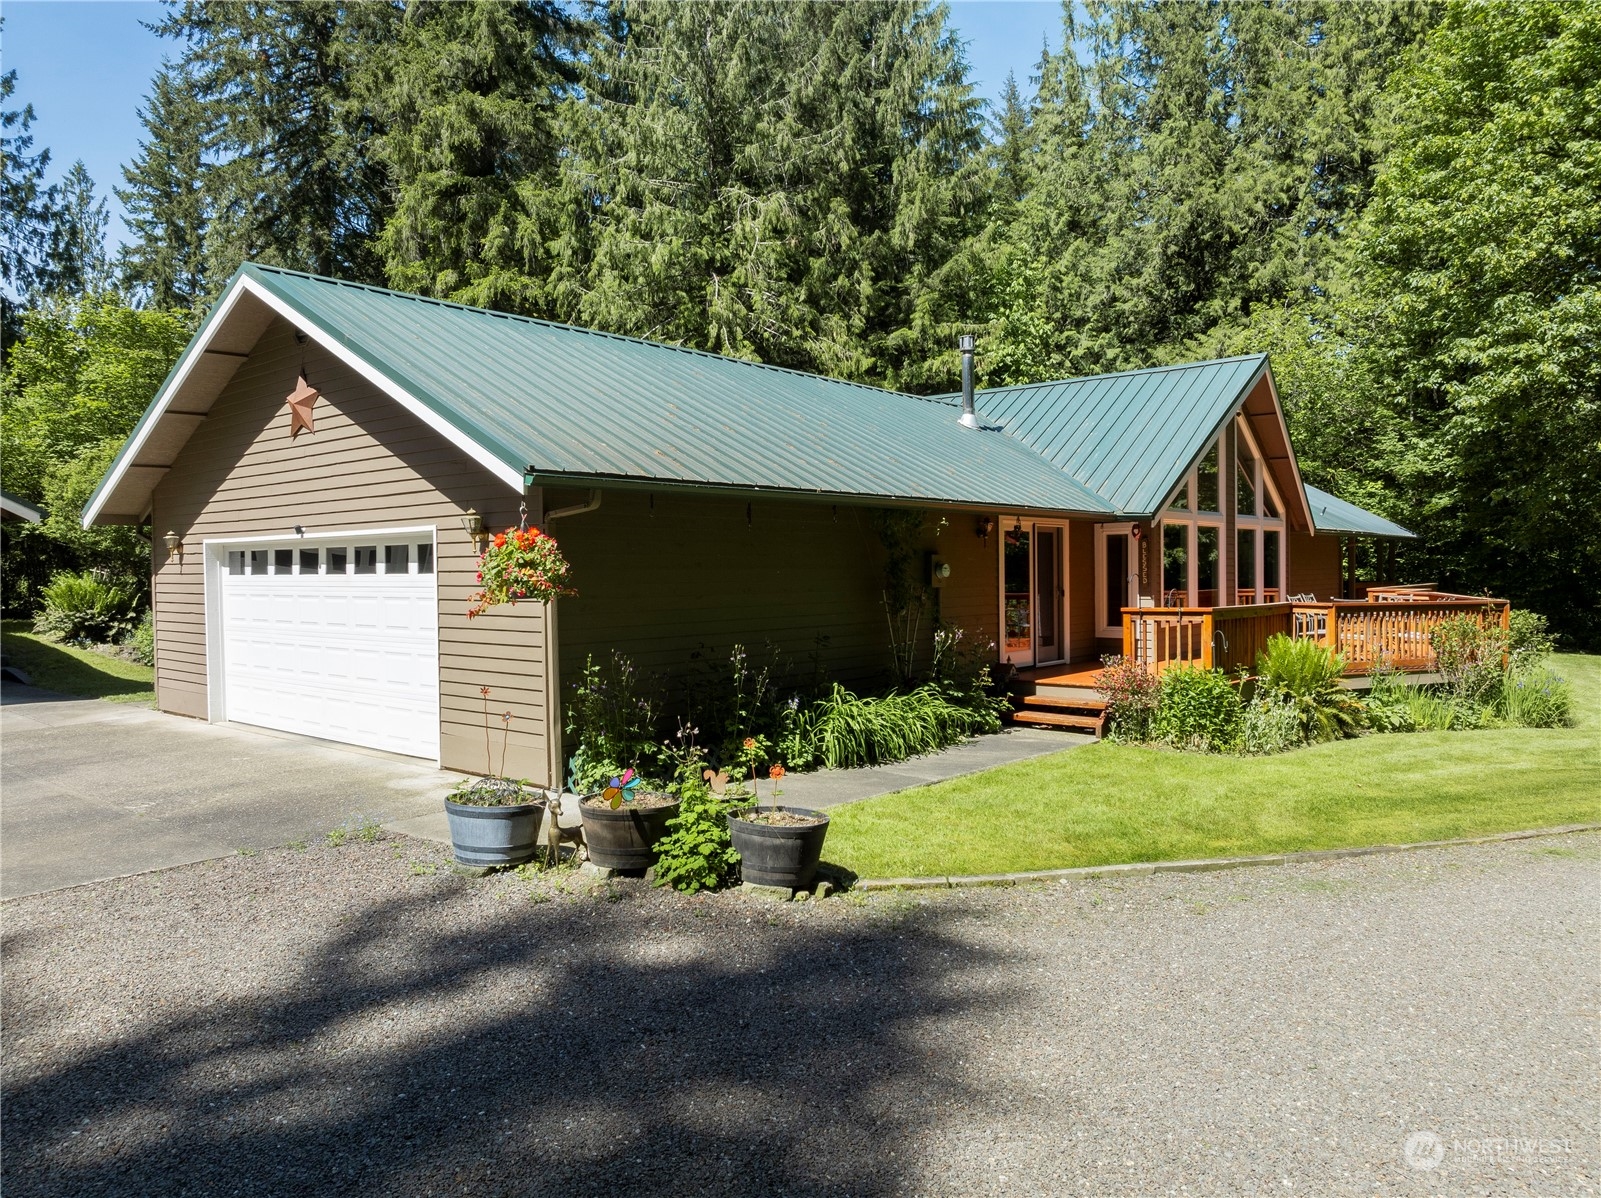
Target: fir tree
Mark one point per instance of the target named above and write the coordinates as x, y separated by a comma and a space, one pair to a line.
165, 195
25, 206
295, 184
468, 97
789, 183
75, 261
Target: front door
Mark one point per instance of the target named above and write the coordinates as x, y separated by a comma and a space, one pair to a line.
1032, 589
1048, 592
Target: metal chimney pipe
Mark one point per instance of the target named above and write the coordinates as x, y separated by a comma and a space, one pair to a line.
964, 342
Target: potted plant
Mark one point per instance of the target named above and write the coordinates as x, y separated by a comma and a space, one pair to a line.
777, 846
494, 820
522, 563
623, 822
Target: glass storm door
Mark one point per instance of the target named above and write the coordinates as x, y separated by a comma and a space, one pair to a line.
1117, 584
1048, 640
1017, 586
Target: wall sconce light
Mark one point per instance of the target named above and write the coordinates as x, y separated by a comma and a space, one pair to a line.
986, 525
474, 524
174, 544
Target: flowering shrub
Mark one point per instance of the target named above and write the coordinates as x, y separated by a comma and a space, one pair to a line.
520, 564
1534, 696
1130, 693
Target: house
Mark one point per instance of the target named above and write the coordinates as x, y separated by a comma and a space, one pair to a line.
316, 466
14, 510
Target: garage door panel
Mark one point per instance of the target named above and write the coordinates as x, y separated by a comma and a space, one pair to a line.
352, 658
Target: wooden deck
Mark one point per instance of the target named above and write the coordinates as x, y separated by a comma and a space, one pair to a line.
1390, 628
1076, 673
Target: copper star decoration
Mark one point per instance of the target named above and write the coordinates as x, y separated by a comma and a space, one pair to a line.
300, 401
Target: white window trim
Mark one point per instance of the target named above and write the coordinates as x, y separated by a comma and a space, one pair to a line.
1029, 658
214, 556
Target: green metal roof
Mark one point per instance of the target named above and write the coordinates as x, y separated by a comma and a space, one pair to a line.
558, 400
1332, 514
1128, 437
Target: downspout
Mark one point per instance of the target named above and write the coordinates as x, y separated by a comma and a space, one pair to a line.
553, 737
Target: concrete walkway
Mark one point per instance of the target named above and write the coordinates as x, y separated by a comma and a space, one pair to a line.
91, 790
830, 788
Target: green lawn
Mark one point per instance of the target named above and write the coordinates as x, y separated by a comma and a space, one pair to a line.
70, 671
1106, 803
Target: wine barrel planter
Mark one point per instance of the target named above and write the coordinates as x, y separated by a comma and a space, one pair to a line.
625, 837
492, 836
779, 854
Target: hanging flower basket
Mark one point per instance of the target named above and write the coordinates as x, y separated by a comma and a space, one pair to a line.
520, 564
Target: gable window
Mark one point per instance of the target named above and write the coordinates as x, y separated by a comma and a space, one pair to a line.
1259, 524
1199, 559
1208, 497
1192, 535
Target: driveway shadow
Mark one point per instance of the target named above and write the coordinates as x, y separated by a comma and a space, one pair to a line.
750, 1059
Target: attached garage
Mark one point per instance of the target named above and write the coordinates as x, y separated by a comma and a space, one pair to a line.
335, 636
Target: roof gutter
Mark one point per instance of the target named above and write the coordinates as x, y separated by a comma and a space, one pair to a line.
623, 482
577, 509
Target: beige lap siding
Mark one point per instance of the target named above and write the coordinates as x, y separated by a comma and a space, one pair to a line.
369, 464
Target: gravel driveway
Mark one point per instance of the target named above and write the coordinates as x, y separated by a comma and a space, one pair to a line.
359, 1020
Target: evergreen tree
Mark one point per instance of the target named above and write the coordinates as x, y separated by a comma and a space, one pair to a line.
468, 97
75, 261
165, 196
788, 183
25, 207
1223, 152
295, 184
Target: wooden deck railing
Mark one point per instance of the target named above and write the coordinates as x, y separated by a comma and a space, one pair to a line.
1383, 628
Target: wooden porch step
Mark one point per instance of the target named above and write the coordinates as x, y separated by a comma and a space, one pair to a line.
1073, 704
1060, 719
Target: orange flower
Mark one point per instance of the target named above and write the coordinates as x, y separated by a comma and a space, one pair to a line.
775, 772
750, 742
500, 540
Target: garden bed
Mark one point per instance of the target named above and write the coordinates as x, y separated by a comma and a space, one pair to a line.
1110, 803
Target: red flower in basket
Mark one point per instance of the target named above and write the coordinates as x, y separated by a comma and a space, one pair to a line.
520, 564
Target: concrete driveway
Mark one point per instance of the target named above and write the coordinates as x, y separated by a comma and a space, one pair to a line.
91, 790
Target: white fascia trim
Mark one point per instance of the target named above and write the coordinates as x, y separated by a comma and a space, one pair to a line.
164, 397
512, 477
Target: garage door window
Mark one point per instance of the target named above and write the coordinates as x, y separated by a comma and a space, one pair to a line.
336, 561
236, 561
258, 561
425, 559
308, 560
366, 559
396, 559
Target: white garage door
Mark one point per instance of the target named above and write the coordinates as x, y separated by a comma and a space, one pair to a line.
334, 640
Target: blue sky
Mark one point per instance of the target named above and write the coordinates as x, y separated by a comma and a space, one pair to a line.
85, 66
